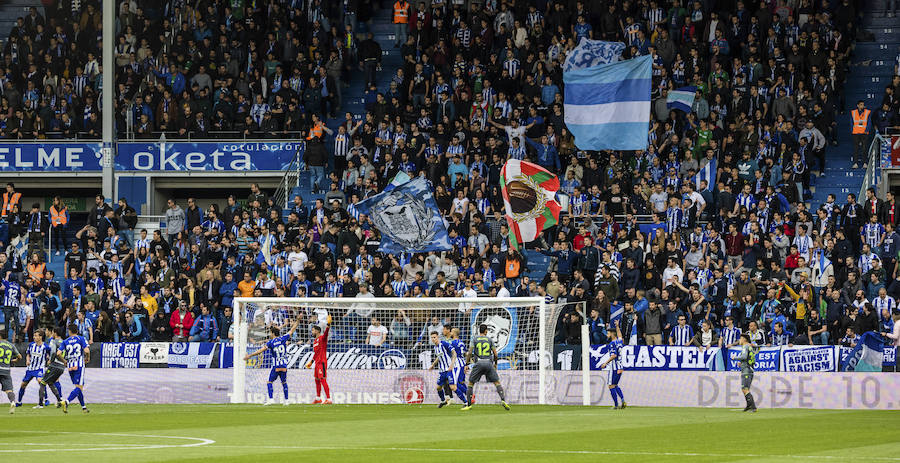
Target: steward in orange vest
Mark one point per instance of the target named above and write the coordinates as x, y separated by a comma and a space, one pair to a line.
860, 130
59, 223
401, 22
10, 199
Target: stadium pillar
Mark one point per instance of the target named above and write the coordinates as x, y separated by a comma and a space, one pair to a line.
108, 97
585, 365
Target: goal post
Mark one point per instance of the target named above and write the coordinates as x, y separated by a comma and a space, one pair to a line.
379, 349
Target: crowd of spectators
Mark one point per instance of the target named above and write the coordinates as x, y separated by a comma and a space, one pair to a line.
481, 82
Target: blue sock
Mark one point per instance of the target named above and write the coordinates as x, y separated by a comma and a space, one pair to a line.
21, 394
284, 386
615, 397
80, 397
619, 391
269, 388
441, 394
58, 388
461, 393
73, 394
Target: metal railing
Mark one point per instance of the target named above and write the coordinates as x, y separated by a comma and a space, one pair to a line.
215, 135
873, 170
291, 178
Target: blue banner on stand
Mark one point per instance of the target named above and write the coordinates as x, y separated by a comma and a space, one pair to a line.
809, 358
120, 355
207, 156
50, 157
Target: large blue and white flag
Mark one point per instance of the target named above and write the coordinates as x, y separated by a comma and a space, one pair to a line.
399, 179
682, 98
708, 173
408, 219
868, 354
607, 107
590, 53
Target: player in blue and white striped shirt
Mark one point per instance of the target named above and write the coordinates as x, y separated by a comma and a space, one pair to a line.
615, 363
459, 372
278, 345
445, 360
74, 350
682, 333
36, 359
731, 335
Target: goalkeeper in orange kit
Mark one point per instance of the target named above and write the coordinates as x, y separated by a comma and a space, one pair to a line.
320, 358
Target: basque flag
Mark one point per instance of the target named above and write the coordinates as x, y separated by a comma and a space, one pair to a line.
529, 195
682, 98
708, 173
607, 107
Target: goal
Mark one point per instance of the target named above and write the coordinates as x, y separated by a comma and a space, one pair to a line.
379, 349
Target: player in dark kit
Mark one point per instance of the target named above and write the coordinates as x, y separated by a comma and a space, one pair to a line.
8, 355
55, 369
485, 354
747, 360
320, 358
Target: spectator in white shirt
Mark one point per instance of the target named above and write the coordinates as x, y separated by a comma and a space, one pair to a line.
376, 334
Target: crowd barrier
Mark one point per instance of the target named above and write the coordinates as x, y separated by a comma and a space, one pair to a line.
195, 355
641, 388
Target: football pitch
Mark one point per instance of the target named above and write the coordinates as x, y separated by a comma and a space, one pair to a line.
397, 433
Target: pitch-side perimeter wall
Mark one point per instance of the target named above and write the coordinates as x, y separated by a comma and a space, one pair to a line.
642, 388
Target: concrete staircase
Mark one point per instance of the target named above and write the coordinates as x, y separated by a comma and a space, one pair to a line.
12, 9
870, 71
354, 95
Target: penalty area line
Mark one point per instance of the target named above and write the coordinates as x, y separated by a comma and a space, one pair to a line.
547, 451
194, 442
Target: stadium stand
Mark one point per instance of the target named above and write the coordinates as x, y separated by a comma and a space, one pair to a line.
776, 85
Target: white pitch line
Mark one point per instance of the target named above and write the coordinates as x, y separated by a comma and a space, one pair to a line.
196, 442
566, 452
72, 443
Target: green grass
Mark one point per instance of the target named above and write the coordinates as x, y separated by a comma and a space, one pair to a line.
396, 433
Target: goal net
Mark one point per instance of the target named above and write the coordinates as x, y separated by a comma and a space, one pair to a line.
380, 349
